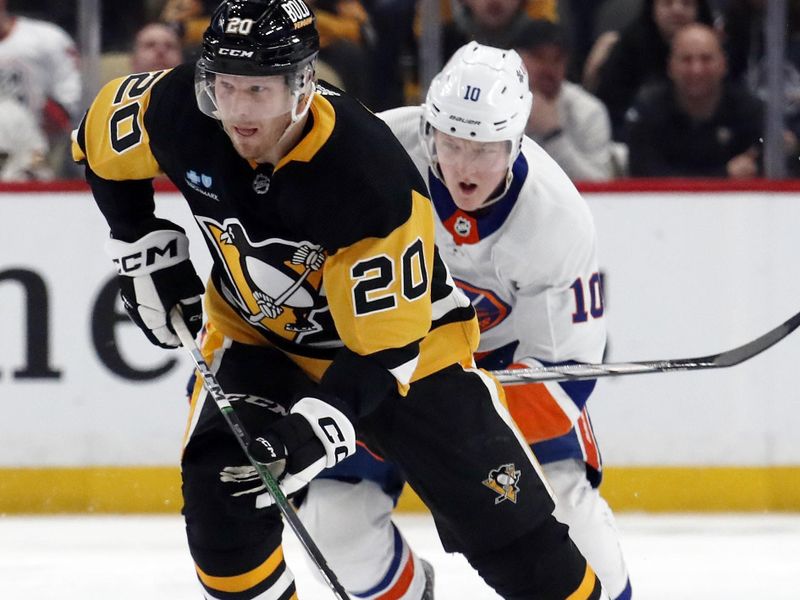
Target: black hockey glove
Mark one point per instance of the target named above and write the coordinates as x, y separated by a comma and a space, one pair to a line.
315, 435
155, 275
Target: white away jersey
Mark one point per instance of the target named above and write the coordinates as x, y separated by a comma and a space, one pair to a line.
529, 266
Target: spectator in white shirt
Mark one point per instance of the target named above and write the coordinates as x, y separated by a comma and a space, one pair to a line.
39, 69
23, 147
567, 121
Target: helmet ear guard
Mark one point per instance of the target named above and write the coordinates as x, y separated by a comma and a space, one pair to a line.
481, 94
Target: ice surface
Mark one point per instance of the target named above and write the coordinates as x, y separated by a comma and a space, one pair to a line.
730, 557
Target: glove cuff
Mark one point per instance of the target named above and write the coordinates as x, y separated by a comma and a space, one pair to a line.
155, 251
331, 426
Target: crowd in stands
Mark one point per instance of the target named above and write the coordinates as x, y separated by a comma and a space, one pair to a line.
622, 88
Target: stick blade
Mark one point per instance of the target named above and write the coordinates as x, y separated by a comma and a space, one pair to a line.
577, 372
758, 345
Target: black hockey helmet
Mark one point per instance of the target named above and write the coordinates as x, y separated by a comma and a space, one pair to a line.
259, 37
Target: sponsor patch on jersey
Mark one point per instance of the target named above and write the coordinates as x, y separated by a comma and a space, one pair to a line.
491, 310
503, 481
201, 183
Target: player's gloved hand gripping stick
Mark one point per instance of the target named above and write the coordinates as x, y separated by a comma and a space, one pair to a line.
313, 427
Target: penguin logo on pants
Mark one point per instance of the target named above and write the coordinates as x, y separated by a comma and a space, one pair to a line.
503, 481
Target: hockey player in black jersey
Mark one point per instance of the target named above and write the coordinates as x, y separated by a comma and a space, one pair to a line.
307, 202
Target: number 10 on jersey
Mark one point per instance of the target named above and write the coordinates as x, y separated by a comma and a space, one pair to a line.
595, 293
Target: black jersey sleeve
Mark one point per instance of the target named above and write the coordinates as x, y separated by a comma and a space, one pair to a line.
113, 144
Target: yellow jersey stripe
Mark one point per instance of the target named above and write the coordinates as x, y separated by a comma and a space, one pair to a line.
585, 589
324, 121
245, 581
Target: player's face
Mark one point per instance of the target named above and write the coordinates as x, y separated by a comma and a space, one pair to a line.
255, 111
472, 171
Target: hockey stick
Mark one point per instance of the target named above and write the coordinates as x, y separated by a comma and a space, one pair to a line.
728, 358
229, 414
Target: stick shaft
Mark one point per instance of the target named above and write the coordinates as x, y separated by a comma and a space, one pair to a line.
577, 372
231, 418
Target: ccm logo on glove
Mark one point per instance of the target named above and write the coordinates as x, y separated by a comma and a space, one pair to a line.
157, 250
266, 445
334, 434
155, 275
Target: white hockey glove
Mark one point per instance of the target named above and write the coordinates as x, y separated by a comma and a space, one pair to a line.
314, 436
155, 275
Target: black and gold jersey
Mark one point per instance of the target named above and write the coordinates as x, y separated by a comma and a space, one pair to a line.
331, 247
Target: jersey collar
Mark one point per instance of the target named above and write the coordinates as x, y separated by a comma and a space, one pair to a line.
466, 228
324, 118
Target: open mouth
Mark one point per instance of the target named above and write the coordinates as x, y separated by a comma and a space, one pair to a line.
245, 131
467, 188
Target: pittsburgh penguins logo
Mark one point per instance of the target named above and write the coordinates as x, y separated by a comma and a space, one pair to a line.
277, 281
503, 481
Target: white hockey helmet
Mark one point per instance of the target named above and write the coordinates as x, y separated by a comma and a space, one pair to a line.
481, 94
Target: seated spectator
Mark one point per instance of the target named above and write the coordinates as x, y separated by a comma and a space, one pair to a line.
568, 122
639, 57
156, 46
491, 22
698, 124
23, 146
39, 69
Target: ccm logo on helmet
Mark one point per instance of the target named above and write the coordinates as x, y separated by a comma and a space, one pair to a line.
236, 52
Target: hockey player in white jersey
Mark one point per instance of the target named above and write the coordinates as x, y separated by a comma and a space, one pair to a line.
520, 242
